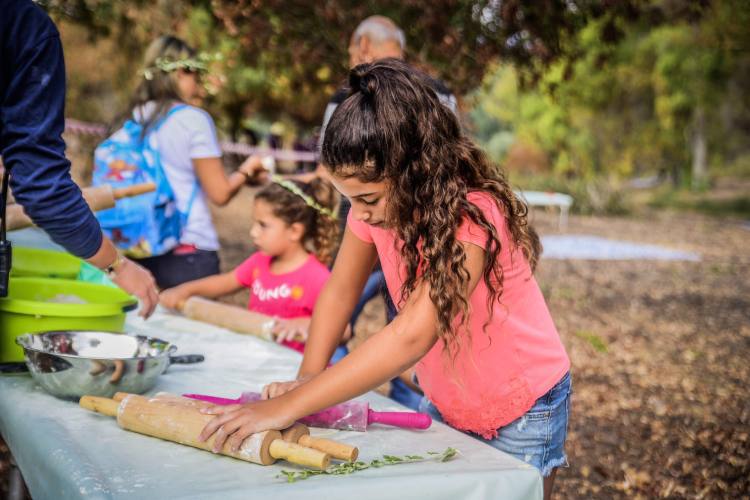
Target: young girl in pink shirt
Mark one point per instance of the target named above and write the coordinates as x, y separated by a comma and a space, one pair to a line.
294, 229
457, 254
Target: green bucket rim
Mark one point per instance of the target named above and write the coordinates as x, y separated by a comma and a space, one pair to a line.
71, 264
31, 307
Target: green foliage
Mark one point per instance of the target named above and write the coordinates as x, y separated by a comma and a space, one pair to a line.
594, 340
630, 107
680, 199
287, 57
591, 196
585, 90
740, 167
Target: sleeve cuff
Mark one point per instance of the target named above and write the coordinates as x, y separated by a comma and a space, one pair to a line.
359, 229
83, 241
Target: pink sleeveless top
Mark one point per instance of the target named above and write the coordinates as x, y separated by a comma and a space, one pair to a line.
499, 372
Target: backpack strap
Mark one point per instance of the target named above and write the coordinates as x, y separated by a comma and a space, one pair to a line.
169, 113
184, 215
196, 187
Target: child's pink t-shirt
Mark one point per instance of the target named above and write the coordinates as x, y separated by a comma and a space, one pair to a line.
288, 295
498, 374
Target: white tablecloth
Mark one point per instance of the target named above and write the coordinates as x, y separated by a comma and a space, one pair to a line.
64, 451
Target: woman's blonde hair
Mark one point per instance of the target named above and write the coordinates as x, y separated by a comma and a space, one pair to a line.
157, 84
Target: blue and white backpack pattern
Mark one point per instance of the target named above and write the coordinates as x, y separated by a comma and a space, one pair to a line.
145, 225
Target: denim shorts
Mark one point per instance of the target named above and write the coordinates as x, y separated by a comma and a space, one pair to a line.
536, 437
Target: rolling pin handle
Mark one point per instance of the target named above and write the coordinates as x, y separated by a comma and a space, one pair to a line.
298, 454
105, 406
134, 190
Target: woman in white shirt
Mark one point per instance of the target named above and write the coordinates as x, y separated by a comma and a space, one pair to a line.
189, 153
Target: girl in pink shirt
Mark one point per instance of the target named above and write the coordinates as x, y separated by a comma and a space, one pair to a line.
294, 229
457, 254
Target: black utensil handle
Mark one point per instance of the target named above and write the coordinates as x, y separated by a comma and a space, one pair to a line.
5, 245
6, 252
187, 359
14, 367
130, 307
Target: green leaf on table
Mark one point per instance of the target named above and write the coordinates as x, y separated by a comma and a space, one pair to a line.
351, 467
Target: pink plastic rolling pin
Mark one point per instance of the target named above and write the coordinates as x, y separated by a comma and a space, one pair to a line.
350, 416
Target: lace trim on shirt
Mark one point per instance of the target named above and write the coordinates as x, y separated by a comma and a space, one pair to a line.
490, 412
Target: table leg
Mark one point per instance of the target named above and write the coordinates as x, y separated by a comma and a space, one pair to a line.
563, 218
16, 485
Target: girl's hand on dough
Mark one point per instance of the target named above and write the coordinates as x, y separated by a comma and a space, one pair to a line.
291, 329
173, 298
276, 389
234, 423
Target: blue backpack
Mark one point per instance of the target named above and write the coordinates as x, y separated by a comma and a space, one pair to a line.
145, 225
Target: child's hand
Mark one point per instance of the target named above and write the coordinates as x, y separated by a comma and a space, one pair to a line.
254, 170
276, 389
174, 298
236, 422
292, 329
138, 281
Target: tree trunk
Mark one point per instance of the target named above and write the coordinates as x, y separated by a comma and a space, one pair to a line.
698, 146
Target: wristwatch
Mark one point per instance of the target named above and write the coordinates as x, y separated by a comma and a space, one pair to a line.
111, 270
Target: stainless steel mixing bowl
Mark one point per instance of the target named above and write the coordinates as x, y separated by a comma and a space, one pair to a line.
71, 364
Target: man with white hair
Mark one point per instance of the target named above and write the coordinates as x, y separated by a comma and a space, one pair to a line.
378, 37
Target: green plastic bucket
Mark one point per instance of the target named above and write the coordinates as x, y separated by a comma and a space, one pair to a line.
34, 262
42, 304
38, 263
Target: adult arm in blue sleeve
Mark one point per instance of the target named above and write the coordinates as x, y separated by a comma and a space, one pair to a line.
32, 116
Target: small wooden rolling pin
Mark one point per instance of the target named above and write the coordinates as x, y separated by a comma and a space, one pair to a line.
183, 424
98, 198
230, 317
298, 433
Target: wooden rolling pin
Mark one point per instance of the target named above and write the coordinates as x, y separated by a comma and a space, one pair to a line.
98, 198
298, 433
230, 317
167, 398
183, 424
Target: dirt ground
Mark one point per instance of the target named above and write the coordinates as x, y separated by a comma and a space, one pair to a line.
659, 350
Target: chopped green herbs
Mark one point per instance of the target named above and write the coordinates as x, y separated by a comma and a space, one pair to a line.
352, 467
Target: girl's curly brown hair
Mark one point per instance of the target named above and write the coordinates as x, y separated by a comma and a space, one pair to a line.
392, 128
321, 230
